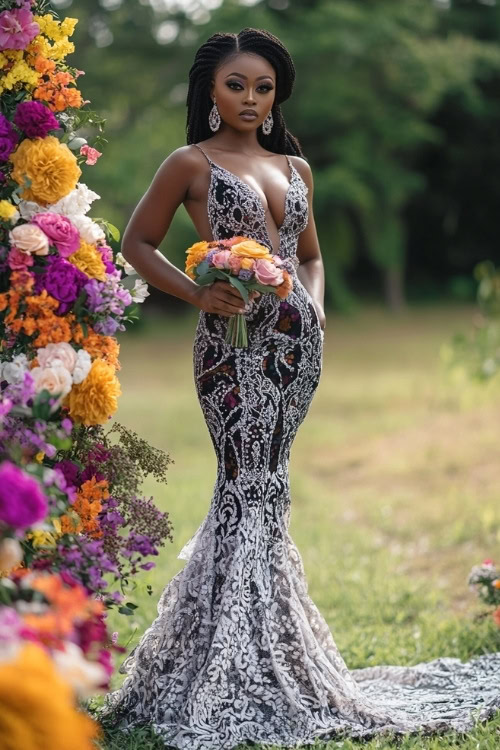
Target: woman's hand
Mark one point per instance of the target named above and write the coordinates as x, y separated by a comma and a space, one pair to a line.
222, 298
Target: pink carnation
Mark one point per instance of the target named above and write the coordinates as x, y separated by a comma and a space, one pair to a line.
221, 259
22, 502
92, 154
17, 28
234, 263
17, 261
60, 232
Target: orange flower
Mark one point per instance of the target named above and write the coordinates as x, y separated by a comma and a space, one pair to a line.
284, 289
88, 505
496, 616
94, 400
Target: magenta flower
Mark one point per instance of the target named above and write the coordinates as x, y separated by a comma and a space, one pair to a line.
18, 261
8, 138
35, 119
17, 28
22, 502
63, 281
60, 231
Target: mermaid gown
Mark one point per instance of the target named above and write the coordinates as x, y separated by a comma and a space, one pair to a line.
239, 652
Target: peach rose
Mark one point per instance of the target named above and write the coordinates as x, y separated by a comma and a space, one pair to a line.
221, 259
267, 273
11, 554
28, 238
61, 354
251, 249
56, 380
234, 264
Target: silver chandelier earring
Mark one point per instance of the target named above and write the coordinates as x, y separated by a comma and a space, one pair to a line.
267, 125
214, 118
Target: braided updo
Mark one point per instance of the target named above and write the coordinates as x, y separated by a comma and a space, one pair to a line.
215, 51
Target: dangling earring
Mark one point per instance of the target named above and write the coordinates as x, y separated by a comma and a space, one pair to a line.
214, 118
267, 125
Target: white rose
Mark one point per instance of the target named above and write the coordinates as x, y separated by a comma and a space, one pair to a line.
56, 380
84, 676
13, 372
29, 239
11, 554
82, 367
61, 354
89, 231
140, 291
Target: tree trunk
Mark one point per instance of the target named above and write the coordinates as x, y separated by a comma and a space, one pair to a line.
394, 288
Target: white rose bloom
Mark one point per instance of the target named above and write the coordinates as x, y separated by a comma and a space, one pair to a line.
28, 209
56, 380
61, 354
13, 372
121, 261
82, 367
89, 231
140, 291
84, 676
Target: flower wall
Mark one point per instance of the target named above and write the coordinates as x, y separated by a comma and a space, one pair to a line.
74, 527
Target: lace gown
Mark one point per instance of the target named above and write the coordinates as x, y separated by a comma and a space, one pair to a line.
239, 652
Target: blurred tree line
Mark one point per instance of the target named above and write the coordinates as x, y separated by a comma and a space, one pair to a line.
396, 105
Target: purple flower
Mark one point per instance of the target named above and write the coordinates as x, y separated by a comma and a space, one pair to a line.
8, 136
62, 280
107, 327
245, 274
69, 470
22, 502
35, 119
17, 28
148, 566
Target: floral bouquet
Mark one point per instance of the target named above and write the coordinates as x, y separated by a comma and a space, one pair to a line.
485, 580
247, 265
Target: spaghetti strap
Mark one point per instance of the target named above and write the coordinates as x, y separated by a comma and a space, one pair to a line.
204, 154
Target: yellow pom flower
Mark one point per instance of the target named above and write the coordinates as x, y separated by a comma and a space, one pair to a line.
37, 706
94, 400
8, 211
195, 255
51, 167
88, 259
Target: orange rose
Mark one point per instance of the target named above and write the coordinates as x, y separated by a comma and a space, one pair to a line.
251, 249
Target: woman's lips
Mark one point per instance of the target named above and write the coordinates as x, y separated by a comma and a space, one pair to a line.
248, 116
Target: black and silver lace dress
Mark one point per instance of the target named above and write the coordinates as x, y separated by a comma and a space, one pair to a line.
239, 651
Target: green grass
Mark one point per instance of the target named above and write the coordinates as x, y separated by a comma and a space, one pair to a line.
394, 479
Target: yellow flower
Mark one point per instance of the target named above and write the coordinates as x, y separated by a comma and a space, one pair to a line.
51, 167
88, 259
37, 706
247, 263
56, 30
95, 399
39, 457
7, 211
41, 538
251, 249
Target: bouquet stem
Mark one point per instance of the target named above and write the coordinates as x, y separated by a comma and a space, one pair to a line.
237, 334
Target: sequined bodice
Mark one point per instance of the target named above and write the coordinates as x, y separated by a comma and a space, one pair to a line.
234, 208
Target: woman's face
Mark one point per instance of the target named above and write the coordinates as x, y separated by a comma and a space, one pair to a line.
246, 81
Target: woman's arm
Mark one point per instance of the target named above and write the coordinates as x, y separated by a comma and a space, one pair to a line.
311, 271
148, 226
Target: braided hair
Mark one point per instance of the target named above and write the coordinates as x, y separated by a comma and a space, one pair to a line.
213, 53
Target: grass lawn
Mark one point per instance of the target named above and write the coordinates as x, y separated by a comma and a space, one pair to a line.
395, 483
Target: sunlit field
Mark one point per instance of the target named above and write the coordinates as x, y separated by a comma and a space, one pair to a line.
395, 481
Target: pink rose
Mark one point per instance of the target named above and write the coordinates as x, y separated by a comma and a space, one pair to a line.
60, 232
61, 354
221, 259
17, 261
234, 264
56, 380
92, 154
29, 239
267, 273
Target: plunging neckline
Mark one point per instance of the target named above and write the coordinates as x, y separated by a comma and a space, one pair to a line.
293, 173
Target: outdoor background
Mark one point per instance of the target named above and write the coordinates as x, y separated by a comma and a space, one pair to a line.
395, 473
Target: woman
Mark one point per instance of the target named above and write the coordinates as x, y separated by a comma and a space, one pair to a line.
239, 652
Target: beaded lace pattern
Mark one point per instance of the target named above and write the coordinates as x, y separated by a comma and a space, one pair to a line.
239, 651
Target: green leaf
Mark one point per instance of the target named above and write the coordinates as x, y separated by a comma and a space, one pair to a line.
239, 286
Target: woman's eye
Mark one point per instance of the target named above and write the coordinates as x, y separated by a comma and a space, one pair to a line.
264, 86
